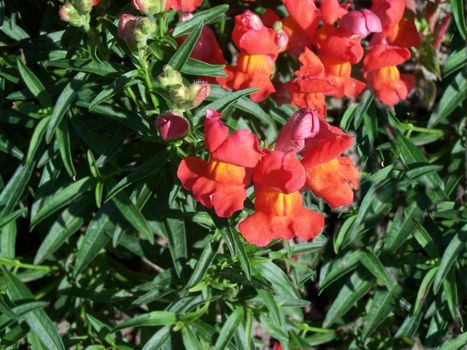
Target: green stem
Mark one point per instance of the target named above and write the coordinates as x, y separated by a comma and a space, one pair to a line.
147, 79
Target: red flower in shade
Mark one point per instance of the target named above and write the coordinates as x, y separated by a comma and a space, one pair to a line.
255, 62
382, 75
404, 34
338, 43
183, 5
331, 10
301, 23
328, 175
310, 86
220, 183
280, 213
338, 73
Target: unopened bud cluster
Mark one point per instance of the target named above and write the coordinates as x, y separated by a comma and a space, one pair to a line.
76, 12
172, 125
135, 30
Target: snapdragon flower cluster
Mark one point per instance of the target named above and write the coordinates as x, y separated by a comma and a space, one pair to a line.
327, 40
307, 156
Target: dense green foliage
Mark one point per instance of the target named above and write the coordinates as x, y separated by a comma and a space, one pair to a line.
101, 248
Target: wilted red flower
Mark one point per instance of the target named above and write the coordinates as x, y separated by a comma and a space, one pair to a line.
280, 213
220, 182
328, 175
383, 76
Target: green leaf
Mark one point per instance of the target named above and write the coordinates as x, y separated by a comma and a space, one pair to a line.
202, 266
141, 172
190, 339
154, 318
14, 189
241, 253
452, 97
453, 250
177, 61
62, 197
85, 66
37, 320
134, 216
338, 267
209, 16
62, 136
451, 294
424, 290
5, 220
426, 242
353, 290
399, 233
459, 17
341, 236
455, 344
455, 61
67, 223
221, 103
108, 92
229, 328
158, 339
274, 275
380, 307
9, 148
34, 84
374, 265
200, 68
64, 102
36, 138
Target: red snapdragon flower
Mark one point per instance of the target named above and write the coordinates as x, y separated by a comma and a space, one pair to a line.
310, 85
328, 174
220, 183
258, 47
338, 72
301, 23
332, 10
383, 76
338, 43
390, 13
280, 213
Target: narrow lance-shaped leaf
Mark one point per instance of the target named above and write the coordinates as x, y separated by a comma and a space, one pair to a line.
229, 328
34, 84
183, 52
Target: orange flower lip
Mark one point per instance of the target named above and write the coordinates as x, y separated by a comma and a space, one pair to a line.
226, 173
277, 203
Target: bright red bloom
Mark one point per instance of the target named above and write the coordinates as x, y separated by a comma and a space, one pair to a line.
310, 86
328, 175
404, 34
339, 44
183, 5
301, 23
332, 10
220, 183
338, 73
252, 37
280, 213
390, 13
251, 71
382, 75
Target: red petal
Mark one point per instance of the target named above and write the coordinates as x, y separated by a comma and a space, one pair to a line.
307, 224
257, 229
305, 14
337, 43
331, 10
311, 64
383, 56
183, 5
280, 171
189, 170
240, 148
270, 17
389, 11
331, 180
215, 132
329, 143
228, 199
203, 188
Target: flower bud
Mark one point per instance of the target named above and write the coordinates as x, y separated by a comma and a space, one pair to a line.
170, 77
361, 23
281, 39
301, 126
198, 92
149, 6
84, 6
126, 26
135, 30
171, 126
69, 13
